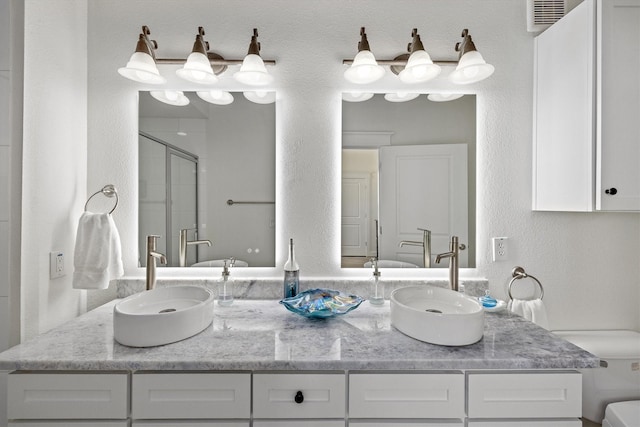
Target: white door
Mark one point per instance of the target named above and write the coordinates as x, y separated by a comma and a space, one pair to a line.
422, 186
355, 214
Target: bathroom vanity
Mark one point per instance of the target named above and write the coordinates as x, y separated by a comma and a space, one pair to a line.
259, 364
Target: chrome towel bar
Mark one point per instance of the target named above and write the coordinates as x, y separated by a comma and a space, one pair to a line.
519, 273
109, 191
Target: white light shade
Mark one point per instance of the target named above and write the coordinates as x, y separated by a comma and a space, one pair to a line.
253, 72
356, 96
471, 68
171, 97
260, 97
142, 68
420, 68
444, 97
218, 97
365, 69
197, 69
400, 96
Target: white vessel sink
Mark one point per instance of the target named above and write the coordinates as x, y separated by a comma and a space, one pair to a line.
162, 315
437, 316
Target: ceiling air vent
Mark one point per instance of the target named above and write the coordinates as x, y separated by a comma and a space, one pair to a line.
543, 13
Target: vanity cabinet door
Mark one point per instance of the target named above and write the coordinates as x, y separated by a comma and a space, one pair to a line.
37, 396
411, 424
298, 424
190, 396
71, 424
320, 396
525, 395
511, 423
426, 395
190, 424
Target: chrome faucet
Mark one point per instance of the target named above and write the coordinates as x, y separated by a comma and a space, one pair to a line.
426, 246
152, 256
454, 247
182, 253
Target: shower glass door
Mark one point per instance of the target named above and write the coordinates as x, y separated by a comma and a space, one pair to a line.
168, 199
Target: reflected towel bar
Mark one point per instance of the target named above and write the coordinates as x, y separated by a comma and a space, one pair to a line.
231, 202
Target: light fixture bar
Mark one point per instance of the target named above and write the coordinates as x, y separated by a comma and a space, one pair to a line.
212, 61
389, 62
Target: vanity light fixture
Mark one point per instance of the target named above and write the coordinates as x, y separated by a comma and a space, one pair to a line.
218, 97
420, 68
142, 64
260, 96
356, 96
364, 69
444, 97
171, 97
253, 72
201, 66
471, 67
400, 96
197, 68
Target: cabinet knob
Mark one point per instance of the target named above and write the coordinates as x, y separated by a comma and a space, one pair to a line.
299, 397
611, 191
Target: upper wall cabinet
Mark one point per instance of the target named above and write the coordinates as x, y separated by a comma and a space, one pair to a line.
586, 135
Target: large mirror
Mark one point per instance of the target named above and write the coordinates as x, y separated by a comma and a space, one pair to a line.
207, 181
408, 167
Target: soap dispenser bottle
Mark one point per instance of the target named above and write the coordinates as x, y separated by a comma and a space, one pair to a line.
225, 286
376, 291
291, 274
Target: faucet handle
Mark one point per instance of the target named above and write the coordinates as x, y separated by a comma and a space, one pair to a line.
462, 246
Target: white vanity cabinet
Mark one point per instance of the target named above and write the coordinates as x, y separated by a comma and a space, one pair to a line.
190, 396
407, 395
586, 127
69, 399
312, 396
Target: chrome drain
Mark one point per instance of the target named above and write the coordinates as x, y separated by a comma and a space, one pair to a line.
433, 310
167, 310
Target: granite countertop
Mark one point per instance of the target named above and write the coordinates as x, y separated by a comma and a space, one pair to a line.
263, 335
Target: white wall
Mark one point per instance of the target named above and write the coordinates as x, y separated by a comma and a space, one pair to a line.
54, 157
588, 262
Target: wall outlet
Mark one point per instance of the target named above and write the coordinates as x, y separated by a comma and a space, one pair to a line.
56, 265
500, 248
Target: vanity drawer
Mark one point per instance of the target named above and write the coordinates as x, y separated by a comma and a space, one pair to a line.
298, 424
190, 396
511, 423
71, 424
36, 396
420, 395
525, 395
190, 424
323, 396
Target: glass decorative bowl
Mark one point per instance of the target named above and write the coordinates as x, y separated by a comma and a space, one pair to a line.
321, 303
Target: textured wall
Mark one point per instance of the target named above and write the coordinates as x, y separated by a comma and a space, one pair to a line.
588, 262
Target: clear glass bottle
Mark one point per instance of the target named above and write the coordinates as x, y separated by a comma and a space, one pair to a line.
225, 287
291, 274
376, 291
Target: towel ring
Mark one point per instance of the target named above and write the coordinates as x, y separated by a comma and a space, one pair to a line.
519, 273
109, 191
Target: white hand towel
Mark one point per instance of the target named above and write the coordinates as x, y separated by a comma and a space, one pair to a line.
532, 310
98, 255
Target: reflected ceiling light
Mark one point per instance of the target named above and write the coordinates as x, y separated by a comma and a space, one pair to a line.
444, 97
260, 96
198, 69
253, 72
142, 64
420, 68
171, 97
356, 96
400, 96
365, 68
471, 67
218, 97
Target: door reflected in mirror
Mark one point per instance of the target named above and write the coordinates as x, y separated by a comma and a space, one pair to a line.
408, 167
207, 181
